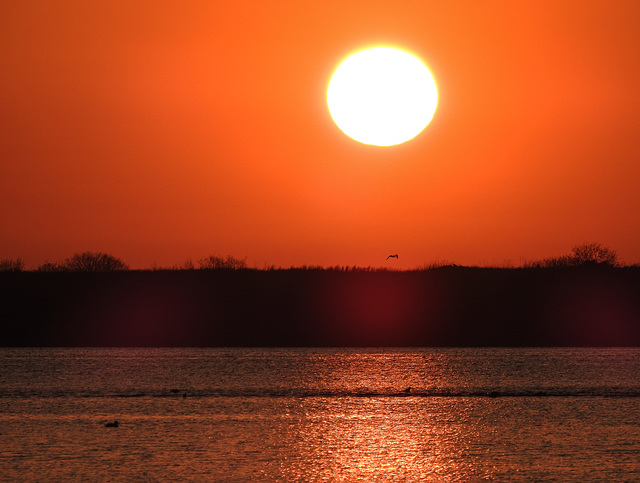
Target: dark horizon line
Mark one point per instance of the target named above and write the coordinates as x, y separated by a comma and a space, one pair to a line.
592, 254
341, 268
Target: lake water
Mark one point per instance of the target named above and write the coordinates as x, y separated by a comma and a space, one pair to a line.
320, 414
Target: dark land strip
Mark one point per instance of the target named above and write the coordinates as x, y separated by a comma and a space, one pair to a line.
447, 306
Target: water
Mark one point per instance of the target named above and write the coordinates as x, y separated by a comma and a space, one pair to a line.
320, 414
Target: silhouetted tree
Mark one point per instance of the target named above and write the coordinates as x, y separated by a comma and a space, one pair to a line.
216, 263
593, 253
10, 265
585, 254
94, 262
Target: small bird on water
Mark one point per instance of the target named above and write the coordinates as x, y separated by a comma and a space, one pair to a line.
111, 425
392, 256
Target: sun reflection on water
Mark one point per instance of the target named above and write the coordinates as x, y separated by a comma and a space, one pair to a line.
324, 415
378, 438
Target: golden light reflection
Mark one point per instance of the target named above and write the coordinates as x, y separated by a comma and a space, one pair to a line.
385, 439
370, 429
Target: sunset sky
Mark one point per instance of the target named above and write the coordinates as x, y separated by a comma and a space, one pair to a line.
162, 131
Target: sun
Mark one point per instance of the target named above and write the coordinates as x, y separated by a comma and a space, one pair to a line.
382, 96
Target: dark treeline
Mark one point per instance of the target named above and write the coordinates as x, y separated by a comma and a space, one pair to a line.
592, 304
585, 254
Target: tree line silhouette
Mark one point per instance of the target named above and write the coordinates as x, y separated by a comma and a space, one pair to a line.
586, 298
104, 262
593, 254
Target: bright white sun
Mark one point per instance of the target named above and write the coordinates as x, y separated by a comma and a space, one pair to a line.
382, 96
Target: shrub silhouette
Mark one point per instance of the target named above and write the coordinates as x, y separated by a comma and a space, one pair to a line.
217, 263
585, 254
94, 262
10, 265
593, 253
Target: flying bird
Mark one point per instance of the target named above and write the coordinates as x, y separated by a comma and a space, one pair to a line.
392, 256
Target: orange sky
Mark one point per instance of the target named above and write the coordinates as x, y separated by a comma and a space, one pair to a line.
161, 131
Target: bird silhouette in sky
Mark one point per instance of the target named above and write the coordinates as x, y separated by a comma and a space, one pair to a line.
392, 256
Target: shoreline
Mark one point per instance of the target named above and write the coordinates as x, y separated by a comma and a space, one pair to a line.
585, 306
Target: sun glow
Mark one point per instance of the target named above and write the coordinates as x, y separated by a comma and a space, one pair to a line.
382, 96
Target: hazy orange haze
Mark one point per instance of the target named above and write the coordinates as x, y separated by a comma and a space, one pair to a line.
161, 131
